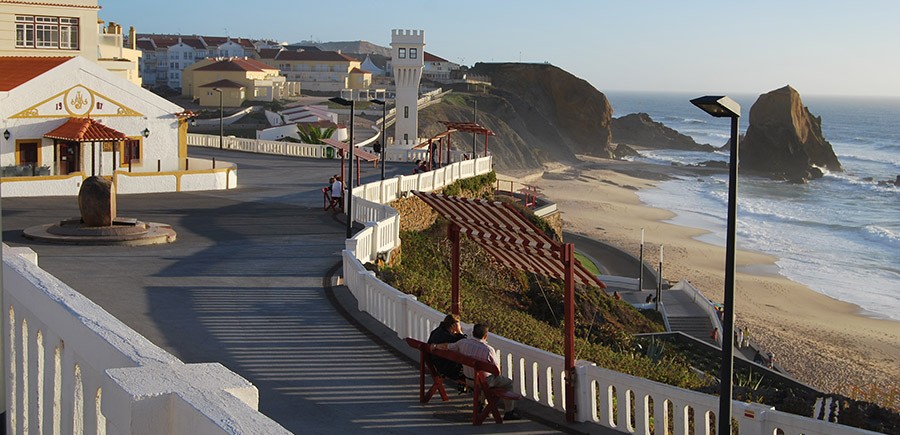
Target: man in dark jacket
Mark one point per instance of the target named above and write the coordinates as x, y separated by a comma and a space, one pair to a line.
449, 331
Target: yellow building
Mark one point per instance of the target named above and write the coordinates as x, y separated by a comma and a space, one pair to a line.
66, 28
239, 79
328, 71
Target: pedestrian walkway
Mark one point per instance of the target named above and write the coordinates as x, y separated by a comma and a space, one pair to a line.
245, 285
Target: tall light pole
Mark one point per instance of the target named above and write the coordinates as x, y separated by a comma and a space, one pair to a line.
474, 135
221, 119
349, 210
383, 105
724, 107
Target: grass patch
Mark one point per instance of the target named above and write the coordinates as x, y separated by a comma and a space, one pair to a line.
588, 264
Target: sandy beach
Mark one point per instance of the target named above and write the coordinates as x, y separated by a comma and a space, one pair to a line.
821, 341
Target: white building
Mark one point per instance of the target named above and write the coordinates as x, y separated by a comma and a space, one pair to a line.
408, 60
166, 56
63, 119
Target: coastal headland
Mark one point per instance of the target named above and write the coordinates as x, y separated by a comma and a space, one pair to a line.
824, 342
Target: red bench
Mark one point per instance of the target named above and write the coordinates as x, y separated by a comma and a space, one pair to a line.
493, 395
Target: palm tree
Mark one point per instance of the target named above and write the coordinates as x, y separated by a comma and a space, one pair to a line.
313, 135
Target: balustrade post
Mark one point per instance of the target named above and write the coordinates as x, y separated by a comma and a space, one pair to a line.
585, 393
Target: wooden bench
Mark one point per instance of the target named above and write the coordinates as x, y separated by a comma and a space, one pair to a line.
480, 385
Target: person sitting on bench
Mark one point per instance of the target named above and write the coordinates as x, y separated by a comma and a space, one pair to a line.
449, 331
477, 347
337, 193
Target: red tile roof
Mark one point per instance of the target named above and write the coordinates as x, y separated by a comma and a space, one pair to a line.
269, 53
145, 44
224, 83
236, 64
51, 4
16, 70
359, 71
85, 130
323, 56
432, 58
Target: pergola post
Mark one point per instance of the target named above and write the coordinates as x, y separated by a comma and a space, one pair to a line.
453, 234
568, 257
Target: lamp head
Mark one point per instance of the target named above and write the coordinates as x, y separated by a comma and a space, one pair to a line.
341, 101
6, 134
718, 106
146, 133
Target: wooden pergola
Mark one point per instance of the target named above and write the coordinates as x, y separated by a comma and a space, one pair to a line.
358, 153
517, 243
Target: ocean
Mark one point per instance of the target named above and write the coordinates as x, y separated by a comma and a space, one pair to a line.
839, 235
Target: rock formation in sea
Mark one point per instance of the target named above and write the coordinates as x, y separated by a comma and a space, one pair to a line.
641, 130
784, 140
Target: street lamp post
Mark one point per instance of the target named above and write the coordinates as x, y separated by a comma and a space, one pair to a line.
474, 134
221, 119
349, 209
383, 104
724, 107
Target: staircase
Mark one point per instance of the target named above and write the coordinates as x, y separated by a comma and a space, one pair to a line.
695, 326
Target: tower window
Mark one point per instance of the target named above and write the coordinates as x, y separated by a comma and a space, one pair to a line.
402, 53
413, 53
406, 111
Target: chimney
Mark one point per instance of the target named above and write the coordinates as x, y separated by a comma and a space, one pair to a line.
132, 38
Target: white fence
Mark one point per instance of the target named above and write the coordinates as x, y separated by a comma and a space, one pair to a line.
604, 397
72, 367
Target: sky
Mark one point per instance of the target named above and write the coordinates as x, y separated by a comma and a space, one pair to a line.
819, 47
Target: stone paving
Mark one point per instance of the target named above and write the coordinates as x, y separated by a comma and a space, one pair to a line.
245, 284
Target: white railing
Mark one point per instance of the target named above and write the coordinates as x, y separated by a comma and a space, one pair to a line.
605, 397
701, 301
71, 367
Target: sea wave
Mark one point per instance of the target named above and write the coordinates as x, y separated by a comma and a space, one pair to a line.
881, 234
880, 159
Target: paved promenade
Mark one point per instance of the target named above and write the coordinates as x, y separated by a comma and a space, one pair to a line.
246, 284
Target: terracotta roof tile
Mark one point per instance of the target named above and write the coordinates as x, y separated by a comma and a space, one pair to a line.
269, 53
432, 58
236, 65
323, 56
359, 71
51, 4
85, 130
16, 70
224, 83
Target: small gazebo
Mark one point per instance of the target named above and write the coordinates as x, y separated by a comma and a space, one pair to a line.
69, 138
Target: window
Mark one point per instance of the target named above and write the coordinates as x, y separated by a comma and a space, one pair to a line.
131, 151
413, 53
46, 32
402, 54
406, 111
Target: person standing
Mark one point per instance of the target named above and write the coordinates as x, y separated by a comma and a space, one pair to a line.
714, 335
337, 193
740, 338
477, 347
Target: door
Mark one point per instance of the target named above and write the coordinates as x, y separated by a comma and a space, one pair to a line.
69, 157
28, 153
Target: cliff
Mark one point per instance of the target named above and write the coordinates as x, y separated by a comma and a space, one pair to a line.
557, 108
639, 129
784, 140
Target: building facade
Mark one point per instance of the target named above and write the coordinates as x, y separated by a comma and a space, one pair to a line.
63, 119
323, 71
408, 60
66, 28
245, 79
166, 56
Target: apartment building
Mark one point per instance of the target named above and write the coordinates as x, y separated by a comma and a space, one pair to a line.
237, 79
324, 71
66, 28
166, 56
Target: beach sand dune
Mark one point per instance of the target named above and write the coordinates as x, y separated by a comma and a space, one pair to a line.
821, 341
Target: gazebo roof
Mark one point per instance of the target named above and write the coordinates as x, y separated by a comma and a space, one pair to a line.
507, 236
85, 130
365, 155
468, 127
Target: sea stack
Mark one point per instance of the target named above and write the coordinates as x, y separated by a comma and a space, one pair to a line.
641, 130
784, 140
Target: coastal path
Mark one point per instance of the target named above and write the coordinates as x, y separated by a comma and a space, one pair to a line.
248, 283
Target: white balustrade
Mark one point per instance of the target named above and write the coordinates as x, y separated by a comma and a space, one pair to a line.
74, 368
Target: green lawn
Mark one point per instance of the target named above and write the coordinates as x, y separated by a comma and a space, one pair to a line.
588, 264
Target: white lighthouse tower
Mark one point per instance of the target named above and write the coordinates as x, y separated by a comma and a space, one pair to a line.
408, 60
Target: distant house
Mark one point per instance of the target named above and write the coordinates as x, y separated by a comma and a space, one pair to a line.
66, 28
436, 68
327, 71
240, 79
69, 118
166, 56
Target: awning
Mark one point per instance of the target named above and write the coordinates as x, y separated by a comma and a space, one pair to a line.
365, 155
507, 235
468, 127
85, 130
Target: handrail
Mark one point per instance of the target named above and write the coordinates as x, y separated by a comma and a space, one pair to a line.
701, 301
